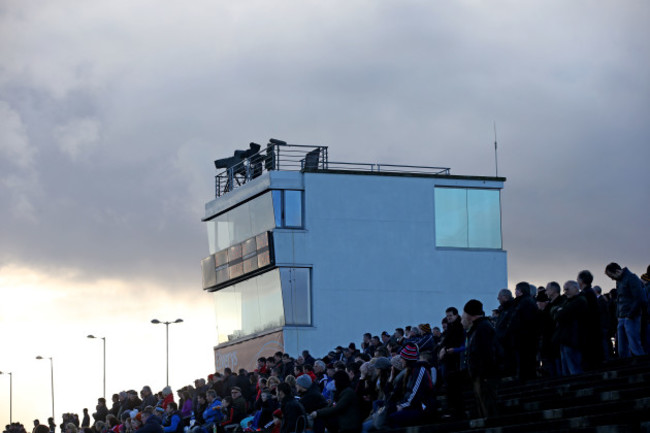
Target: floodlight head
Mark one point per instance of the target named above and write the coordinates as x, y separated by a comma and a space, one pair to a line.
39, 357
91, 336
155, 321
178, 320
276, 141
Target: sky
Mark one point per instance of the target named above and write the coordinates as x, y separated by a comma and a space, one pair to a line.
112, 113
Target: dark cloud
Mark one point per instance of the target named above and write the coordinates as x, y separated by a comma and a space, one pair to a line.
126, 124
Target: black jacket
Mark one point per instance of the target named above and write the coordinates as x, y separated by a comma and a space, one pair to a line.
480, 356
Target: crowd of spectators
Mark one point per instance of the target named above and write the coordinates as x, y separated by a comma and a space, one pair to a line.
392, 380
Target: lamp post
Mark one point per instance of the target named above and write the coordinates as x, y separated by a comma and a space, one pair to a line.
51, 379
11, 380
156, 322
104, 341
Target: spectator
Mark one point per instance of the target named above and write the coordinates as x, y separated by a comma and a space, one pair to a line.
551, 360
150, 422
85, 422
630, 293
453, 343
148, 399
593, 346
291, 409
571, 323
426, 341
604, 322
343, 416
168, 397
417, 401
174, 419
525, 332
101, 410
645, 278
504, 334
309, 393
480, 357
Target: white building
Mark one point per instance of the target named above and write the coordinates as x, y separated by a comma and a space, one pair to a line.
306, 253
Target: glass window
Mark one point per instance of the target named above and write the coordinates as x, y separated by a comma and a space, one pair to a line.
238, 224
296, 295
451, 217
468, 218
293, 208
249, 307
287, 208
484, 215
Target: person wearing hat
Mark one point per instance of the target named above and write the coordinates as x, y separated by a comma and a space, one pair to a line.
480, 357
417, 404
150, 422
310, 394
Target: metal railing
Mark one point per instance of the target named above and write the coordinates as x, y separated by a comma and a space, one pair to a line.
278, 155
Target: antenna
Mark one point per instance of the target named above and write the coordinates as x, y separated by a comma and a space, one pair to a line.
496, 162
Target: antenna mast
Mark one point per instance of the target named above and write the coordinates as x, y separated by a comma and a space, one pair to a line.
496, 162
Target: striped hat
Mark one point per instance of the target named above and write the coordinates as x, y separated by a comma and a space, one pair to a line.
410, 352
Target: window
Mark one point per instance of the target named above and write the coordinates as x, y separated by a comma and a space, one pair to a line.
264, 302
240, 223
468, 218
296, 296
288, 208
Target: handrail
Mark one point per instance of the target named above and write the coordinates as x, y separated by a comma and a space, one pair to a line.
278, 155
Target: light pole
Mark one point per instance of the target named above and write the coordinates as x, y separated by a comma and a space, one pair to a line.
155, 322
11, 385
104, 339
51, 379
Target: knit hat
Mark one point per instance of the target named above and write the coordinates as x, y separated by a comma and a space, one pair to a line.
425, 327
474, 307
304, 381
382, 363
410, 352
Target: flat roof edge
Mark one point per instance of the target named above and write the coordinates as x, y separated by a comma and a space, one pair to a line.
401, 174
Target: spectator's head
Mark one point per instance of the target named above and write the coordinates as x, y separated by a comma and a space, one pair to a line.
598, 290
235, 392
211, 395
385, 337
101, 401
522, 289
227, 371
303, 383
341, 380
381, 351
553, 290
42, 428
571, 289
451, 314
436, 331
399, 333
409, 354
69, 428
166, 391
284, 391
172, 407
425, 328
614, 271
542, 300
319, 366
585, 279
472, 310
366, 337
504, 296
146, 391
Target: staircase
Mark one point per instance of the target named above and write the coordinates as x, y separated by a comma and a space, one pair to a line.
612, 399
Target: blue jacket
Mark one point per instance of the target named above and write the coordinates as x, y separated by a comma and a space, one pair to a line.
152, 425
631, 295
213, 412
175, 421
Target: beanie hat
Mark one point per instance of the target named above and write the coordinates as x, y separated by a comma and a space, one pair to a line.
382, 363
410, 352
542, 297
474, 307
425, 327
304, 381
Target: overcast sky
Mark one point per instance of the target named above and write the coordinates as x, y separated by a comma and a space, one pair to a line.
111, 114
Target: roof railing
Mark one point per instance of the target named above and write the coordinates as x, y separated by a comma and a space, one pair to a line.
279, 155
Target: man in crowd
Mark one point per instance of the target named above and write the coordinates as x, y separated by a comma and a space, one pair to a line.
148, 399
452, 344
571, 323
525, 328
593, 338
480, 357
631, 301
504, 334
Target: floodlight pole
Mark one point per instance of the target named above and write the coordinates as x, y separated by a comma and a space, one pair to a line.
104, 341
11, 393
51, 380
156, 322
